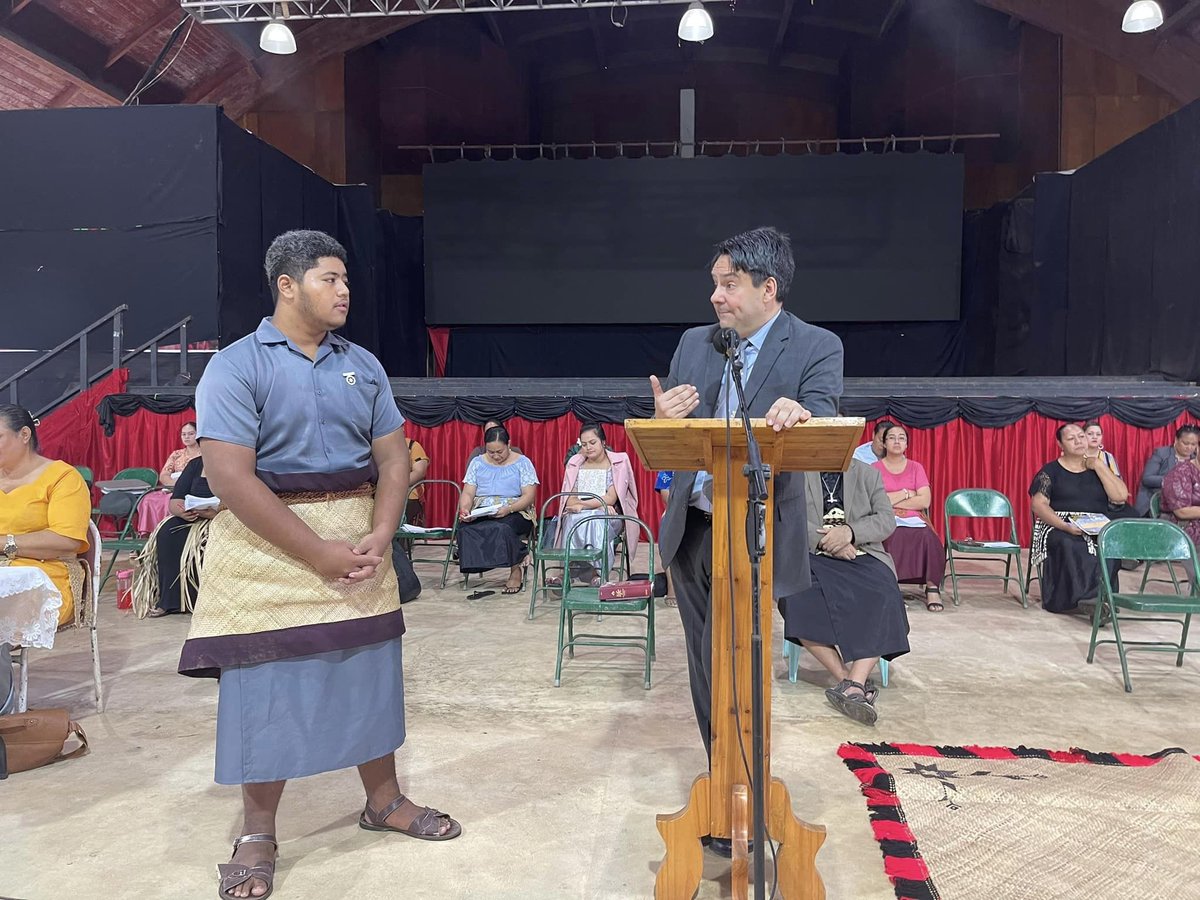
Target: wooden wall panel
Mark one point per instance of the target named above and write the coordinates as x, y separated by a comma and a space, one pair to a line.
1103, 104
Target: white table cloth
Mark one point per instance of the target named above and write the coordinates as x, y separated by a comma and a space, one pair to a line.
29, 605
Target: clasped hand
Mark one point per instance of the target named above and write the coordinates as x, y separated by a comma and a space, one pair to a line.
837, 541
351, 563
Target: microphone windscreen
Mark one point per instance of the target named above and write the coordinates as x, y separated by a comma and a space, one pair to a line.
725, 339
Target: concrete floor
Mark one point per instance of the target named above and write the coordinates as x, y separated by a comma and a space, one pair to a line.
557, 789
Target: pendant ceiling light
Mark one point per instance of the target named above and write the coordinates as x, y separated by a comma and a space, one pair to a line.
696, 24
277, 38
1142, 15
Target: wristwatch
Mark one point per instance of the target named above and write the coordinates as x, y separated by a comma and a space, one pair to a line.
10, 548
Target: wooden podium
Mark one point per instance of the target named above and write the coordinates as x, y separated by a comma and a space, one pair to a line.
719, 803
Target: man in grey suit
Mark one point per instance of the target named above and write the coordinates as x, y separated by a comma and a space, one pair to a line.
1162, 461
792, 371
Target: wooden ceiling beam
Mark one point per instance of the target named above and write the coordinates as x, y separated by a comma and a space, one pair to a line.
1176, 22
170, 12
785, 21
65, 67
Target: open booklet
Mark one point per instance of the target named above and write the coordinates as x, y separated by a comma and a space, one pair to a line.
481, 511
417, 529
1089, 523
910, 522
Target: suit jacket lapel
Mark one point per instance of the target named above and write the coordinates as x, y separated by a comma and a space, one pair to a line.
714, 371
771, 350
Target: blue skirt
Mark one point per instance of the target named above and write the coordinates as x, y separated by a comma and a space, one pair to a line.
296, 717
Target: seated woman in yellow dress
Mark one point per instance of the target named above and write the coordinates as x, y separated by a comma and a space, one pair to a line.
44, 506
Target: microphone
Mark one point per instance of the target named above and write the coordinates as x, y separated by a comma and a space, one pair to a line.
726, 342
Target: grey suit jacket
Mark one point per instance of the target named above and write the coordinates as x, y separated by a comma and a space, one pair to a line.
797, 360
1161, 461
868, 510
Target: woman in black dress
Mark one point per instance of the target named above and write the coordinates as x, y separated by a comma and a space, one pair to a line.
853, 613
1077, 482
172, 535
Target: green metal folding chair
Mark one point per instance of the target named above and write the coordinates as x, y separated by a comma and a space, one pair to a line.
577, 600
127, 540
983, 503
441, 538
1152, 541
1155, 513
548, 558
1031, 575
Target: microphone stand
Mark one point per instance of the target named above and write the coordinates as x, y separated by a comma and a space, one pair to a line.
757, 475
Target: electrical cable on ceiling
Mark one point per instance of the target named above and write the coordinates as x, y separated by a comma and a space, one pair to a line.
147, 79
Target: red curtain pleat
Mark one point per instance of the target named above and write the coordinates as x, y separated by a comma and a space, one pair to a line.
439, 339
955, 455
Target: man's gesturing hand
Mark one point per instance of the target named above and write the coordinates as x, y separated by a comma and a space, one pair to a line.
786, 412
677, 403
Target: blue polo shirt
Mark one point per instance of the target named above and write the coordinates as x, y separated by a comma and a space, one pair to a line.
300, 415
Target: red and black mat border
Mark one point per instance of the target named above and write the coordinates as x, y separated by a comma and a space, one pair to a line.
902, 860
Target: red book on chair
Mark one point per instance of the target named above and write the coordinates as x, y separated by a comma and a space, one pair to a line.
626, 590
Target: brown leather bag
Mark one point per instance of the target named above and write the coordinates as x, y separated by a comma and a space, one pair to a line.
37, 738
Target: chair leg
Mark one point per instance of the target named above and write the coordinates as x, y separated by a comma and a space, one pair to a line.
96, 670
571, 635
1020, 585
108, 570
1187, 622
1097, 614
23, 682
562, 613
1146, 576
1121, 651
953, 576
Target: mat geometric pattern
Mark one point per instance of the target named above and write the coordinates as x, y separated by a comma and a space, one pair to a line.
991, 823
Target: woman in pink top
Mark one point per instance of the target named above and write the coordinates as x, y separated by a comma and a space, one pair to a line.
917, 551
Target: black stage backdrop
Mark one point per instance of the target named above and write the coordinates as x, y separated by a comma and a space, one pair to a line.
568, 242
1134, 266
103, 207
886, 348
264, 193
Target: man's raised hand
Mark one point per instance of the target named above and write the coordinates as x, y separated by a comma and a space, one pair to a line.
677, 403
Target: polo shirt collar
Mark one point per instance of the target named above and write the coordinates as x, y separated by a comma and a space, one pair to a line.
267, 333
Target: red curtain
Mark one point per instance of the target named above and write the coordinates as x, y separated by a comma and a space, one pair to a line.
955, 455
439, 339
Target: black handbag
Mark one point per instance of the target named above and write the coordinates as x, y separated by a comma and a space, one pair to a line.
406, 577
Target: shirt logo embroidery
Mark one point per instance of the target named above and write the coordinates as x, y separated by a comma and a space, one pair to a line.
350, 379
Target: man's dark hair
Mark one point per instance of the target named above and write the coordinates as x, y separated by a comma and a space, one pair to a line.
295, 252
882, 425
1187, 429
18, 417
762, 253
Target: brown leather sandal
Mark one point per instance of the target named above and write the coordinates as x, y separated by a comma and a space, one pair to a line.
233, 874
426, 826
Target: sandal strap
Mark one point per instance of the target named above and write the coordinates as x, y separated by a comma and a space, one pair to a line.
255, 839
233, 874
381, 817
427, 822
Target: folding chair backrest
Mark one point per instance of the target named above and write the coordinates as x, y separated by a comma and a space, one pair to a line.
149, 476
1151, 540
91, 556
541, 521
591, 520
86, 474
1156, 504
978, 503
425, 483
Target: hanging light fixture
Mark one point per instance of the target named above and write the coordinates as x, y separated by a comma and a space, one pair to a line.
1142, 15
277, 38
696, 24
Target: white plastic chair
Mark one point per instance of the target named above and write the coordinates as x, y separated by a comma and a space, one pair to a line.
91, 559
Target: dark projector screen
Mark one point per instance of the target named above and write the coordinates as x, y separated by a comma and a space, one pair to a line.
876, 237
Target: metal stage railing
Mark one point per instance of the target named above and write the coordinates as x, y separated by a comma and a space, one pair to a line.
90, 371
